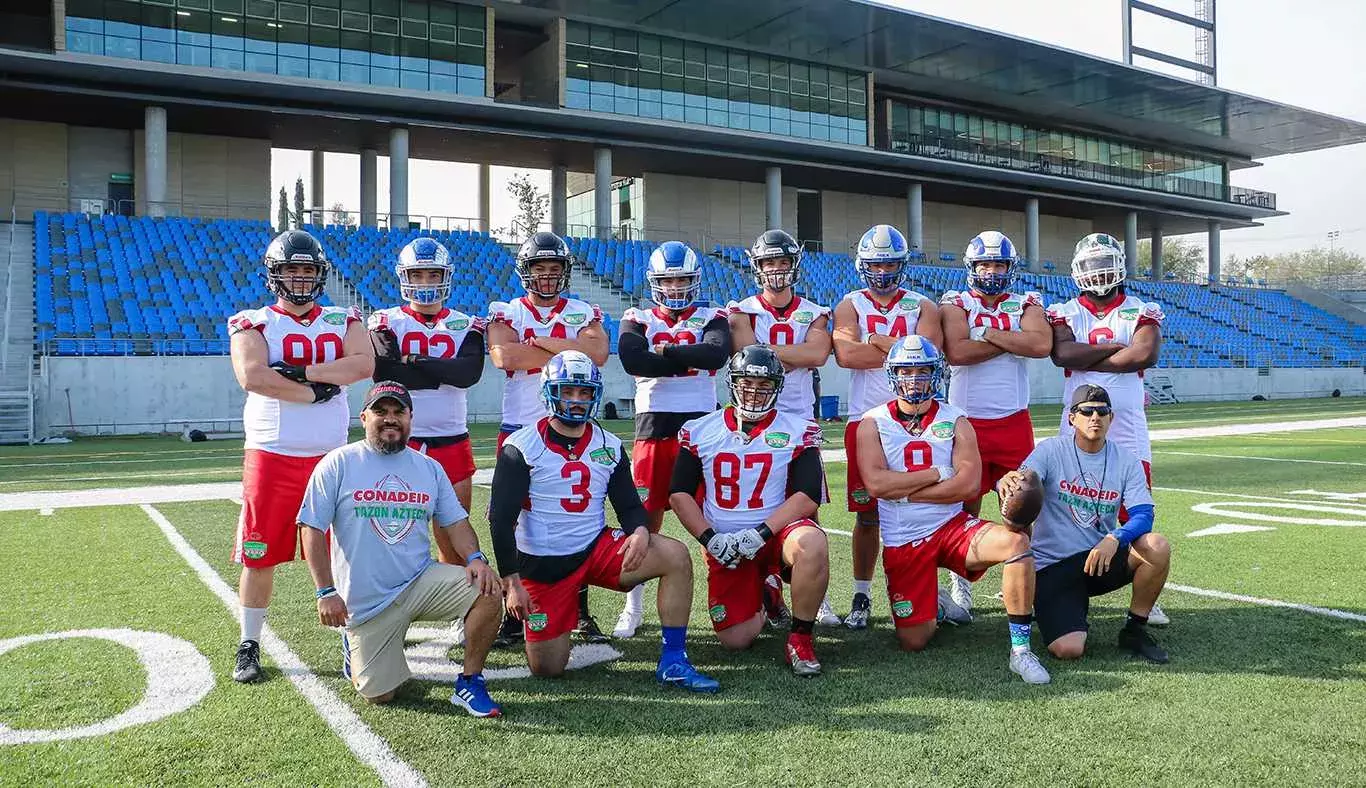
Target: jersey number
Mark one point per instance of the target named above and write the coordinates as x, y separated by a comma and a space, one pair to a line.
578, 489
681, 338
998, 322
1101, 336
725, 474
781, 334
898, 330
918, 455
416, 343
556, 332
301, 351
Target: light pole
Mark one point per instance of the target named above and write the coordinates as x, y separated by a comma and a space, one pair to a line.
1333, 240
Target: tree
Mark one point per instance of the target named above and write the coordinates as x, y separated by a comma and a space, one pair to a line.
299, 201
282, 213
1306, 265
1181, 259
342, 216
532, 204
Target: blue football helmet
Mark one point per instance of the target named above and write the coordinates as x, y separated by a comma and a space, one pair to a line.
673, 260
908, 355
882, 243
991, 247
571, 368
424, 254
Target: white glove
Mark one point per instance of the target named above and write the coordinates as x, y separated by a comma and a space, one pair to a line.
978, 334
725, 549
749, 542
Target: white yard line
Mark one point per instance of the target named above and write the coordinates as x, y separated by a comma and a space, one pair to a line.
368, 747
119, 496
1264, 459
1256, 600
1218, 494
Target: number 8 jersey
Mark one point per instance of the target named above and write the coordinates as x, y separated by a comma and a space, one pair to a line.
565, 507
902, 521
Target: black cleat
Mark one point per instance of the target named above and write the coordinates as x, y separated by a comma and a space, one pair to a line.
1137, 641
248, 667
859, 612
510, 633
588, 631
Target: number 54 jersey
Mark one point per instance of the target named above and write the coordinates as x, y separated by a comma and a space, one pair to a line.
744, 474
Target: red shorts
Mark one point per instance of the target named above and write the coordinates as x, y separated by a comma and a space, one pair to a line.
652, 465
457, 459
273, 488
857, 495
1004, 444
912, 569
735, 595
555, 606
503, 434
1123, 516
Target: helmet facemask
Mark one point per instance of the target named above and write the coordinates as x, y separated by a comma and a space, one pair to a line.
916, 383
668, 293
425, 294
541, 283
776, 280
881, 282
297, 289
991, 283
565, 400
1098, 274
755, 396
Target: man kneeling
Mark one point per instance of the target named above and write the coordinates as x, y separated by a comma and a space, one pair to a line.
376, 496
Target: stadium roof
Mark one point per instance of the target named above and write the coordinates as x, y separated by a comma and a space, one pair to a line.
929, 55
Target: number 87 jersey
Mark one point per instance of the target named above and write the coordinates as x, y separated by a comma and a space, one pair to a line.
745, 474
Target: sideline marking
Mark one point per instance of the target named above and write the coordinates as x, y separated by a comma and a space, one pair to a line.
1264, 459
1256, 600
1230, 528
1235, 509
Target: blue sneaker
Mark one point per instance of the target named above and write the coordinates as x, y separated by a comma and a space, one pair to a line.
474, 698
346, 657
681, 673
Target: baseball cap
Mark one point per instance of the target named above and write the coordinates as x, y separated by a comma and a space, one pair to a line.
1090, 393
390, 389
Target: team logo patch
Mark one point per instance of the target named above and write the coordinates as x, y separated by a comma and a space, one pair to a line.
458, 323
1010, 307
909, 304
942, 429
335, 318
603, 456
860, 495
536, 622
777, 439
695, 322
718, 613
253, 547
804, 317
1129, 313
643, 492
575, 318
902, 608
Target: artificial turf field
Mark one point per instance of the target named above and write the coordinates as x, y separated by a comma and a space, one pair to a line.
1255, 692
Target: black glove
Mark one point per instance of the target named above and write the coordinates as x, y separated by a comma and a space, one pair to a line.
296, 374
385, 343
322, 392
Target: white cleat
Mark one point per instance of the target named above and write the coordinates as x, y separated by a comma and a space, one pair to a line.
627, 624
826, 616
1158, 618
1026, 665
960, 589
949, 611
458, 632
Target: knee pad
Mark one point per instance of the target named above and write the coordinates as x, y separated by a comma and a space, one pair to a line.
1019, 557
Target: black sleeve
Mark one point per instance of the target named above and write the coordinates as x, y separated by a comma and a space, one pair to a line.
711, 353
805, 474
407, 374
687, 475
462, 371
638, 359
621, 491
511, 484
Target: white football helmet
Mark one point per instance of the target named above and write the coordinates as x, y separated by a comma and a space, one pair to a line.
1098, 264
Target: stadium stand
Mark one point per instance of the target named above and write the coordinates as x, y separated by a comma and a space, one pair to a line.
115, 285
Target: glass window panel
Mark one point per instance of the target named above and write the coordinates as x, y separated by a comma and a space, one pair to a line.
291, 12
384, 25
648, 45
259, 62
414, 29
388, 77
227, 26
576, 33
194, 5
447, 53
445, 14
386, 7
648, 63
442, 83
193, 56
414, 48
444, 33
600, 37
355, 48
363, 6
128, 11
624, 40
227, 58
470, 36
472, 16
415, 9
414, 80
671, 47
354, 21
326, 38
231, 6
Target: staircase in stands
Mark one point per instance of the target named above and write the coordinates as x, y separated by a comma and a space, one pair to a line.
16, 352
599, 290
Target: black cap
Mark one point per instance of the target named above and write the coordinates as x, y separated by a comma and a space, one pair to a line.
390, 389
1090, 393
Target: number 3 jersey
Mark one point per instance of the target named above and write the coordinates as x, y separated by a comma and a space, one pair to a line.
997, 387
438, 412
291, 428
787, 326
869, 388
522, 403
745, 474
902, 521
565, 508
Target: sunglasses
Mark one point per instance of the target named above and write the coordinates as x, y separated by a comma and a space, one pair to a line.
1093, 410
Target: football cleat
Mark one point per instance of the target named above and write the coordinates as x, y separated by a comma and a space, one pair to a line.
801, 655
859, 612
346, 657
1026, 665
248, 666
627, 624
589, 632
949, 611
1137, 641
511, 634
775, 611
1158, 618
458, 632
680, 673
471, 695
826, 615
960, 591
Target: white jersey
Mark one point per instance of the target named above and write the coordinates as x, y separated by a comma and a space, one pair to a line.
869, 388
1118, 324
438, 412
786, 327
292, 428
903, 522
745, 474
691, 393
522, 403
566, 505
997, 387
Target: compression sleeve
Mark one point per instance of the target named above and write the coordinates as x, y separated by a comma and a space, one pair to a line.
462, 371
621, 491
805, 475
511, 485
687, 475
1140, 522
711, 353
407, 374
638, 359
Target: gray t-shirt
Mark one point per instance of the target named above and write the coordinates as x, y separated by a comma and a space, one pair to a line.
1082, 495
378, 507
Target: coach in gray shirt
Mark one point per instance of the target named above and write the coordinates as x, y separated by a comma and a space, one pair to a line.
1080, 548
375, 497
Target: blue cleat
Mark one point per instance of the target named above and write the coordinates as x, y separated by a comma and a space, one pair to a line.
471, 695
346, 657
681, 673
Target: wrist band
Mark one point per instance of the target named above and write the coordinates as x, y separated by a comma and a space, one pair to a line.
706, 536
764, 531
326, 591
477, 555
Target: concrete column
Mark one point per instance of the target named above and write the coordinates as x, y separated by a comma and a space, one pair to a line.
773, 198
915, 216
154, 155
1157, 252
602, 192
1032, 231
1131, 243
317, 200
1214, 252
485, 199
398, 178
559, 199
369, 186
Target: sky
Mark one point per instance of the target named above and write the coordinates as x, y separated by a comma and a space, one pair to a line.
1302, 52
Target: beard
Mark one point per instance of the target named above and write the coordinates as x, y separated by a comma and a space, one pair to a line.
383, 446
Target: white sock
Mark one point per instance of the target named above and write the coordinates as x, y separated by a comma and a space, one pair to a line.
864, 587
635, 599
253, 618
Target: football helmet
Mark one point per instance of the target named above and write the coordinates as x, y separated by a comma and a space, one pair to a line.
541, 247
882, 244
770, 245
908, 355
424, 254
754, 362
571, 368
674, 260
1098, 264
298, 247
991, 247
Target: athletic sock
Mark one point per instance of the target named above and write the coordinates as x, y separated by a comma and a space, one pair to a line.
864, 587
635, 598
1135, 621
1019, 631
583, 602
801, 626
675, 643
253, 619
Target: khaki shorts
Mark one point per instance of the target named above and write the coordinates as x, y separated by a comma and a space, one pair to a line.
378, 665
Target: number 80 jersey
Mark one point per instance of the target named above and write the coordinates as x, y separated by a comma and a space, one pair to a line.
744, 474
565, 508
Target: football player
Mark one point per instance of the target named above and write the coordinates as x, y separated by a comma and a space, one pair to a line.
760, 471
867, 323
551, 485
522, 336
918, 457
294, 359
1106, 337
673, 350
989, 332
798, 330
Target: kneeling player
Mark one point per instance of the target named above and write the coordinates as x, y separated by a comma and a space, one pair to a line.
918, 456
550, 533
760, 470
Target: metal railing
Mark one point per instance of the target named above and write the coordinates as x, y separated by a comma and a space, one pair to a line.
9, 290
326, 217
141, 346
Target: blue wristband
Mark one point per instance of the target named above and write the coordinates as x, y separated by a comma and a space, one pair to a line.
326, 591
477, 555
